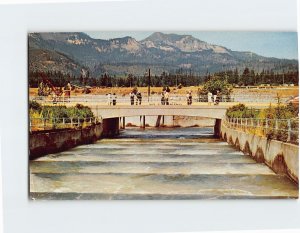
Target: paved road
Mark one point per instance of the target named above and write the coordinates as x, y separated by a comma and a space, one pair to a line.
156, 164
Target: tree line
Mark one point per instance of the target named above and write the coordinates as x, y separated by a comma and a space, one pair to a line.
234, 77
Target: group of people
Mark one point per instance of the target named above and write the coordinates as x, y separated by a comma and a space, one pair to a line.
135, 98
111, 99
213, 98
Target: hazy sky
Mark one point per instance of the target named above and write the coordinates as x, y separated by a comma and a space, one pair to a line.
270, 44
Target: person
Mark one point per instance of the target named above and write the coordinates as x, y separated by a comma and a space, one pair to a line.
54, 97
167, 98
69, 87
139, 97
162, 98
215, 97
109, 99
41, 89
132, 98
189, 98
199, 94
209, 98
114, 99
67, 91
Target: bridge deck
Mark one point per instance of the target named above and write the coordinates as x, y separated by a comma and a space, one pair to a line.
217, 112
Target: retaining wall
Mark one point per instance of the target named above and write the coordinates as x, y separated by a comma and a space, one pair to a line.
42, 143
282, 158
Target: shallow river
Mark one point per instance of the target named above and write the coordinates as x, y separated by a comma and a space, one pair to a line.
180, 163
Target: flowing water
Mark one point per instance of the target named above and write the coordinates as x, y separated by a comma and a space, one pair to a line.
180, 163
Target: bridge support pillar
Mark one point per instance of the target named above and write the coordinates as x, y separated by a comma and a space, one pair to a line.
217, 128
142, 122
158, 121
123, 122
111, 127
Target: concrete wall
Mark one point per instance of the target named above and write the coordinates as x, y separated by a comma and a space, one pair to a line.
282, 158
42, 143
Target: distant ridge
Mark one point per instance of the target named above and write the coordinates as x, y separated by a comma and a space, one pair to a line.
160, 52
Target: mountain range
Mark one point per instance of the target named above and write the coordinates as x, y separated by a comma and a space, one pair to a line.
70, 52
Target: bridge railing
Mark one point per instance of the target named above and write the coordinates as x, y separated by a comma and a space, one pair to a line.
155, 99
45, 123
286, 130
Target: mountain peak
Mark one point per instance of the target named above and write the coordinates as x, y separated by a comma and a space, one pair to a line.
128, 43
159, 36
183, 43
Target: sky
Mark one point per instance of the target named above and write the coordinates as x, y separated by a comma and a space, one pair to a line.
269, 44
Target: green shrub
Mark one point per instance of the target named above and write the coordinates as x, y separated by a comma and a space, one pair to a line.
241, 111
215, 84
33, 105
79, 111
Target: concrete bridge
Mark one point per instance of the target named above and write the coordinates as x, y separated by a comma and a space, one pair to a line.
105, 111
113, 116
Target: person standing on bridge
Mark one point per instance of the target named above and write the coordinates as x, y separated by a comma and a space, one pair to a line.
189, 98
109, 99
114, 99
132, 98
162, 100
139, 97
215, 97
209, 98
167, 97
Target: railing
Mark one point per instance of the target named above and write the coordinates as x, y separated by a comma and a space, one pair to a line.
156, 99
43, 123
125, 99
286, 130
